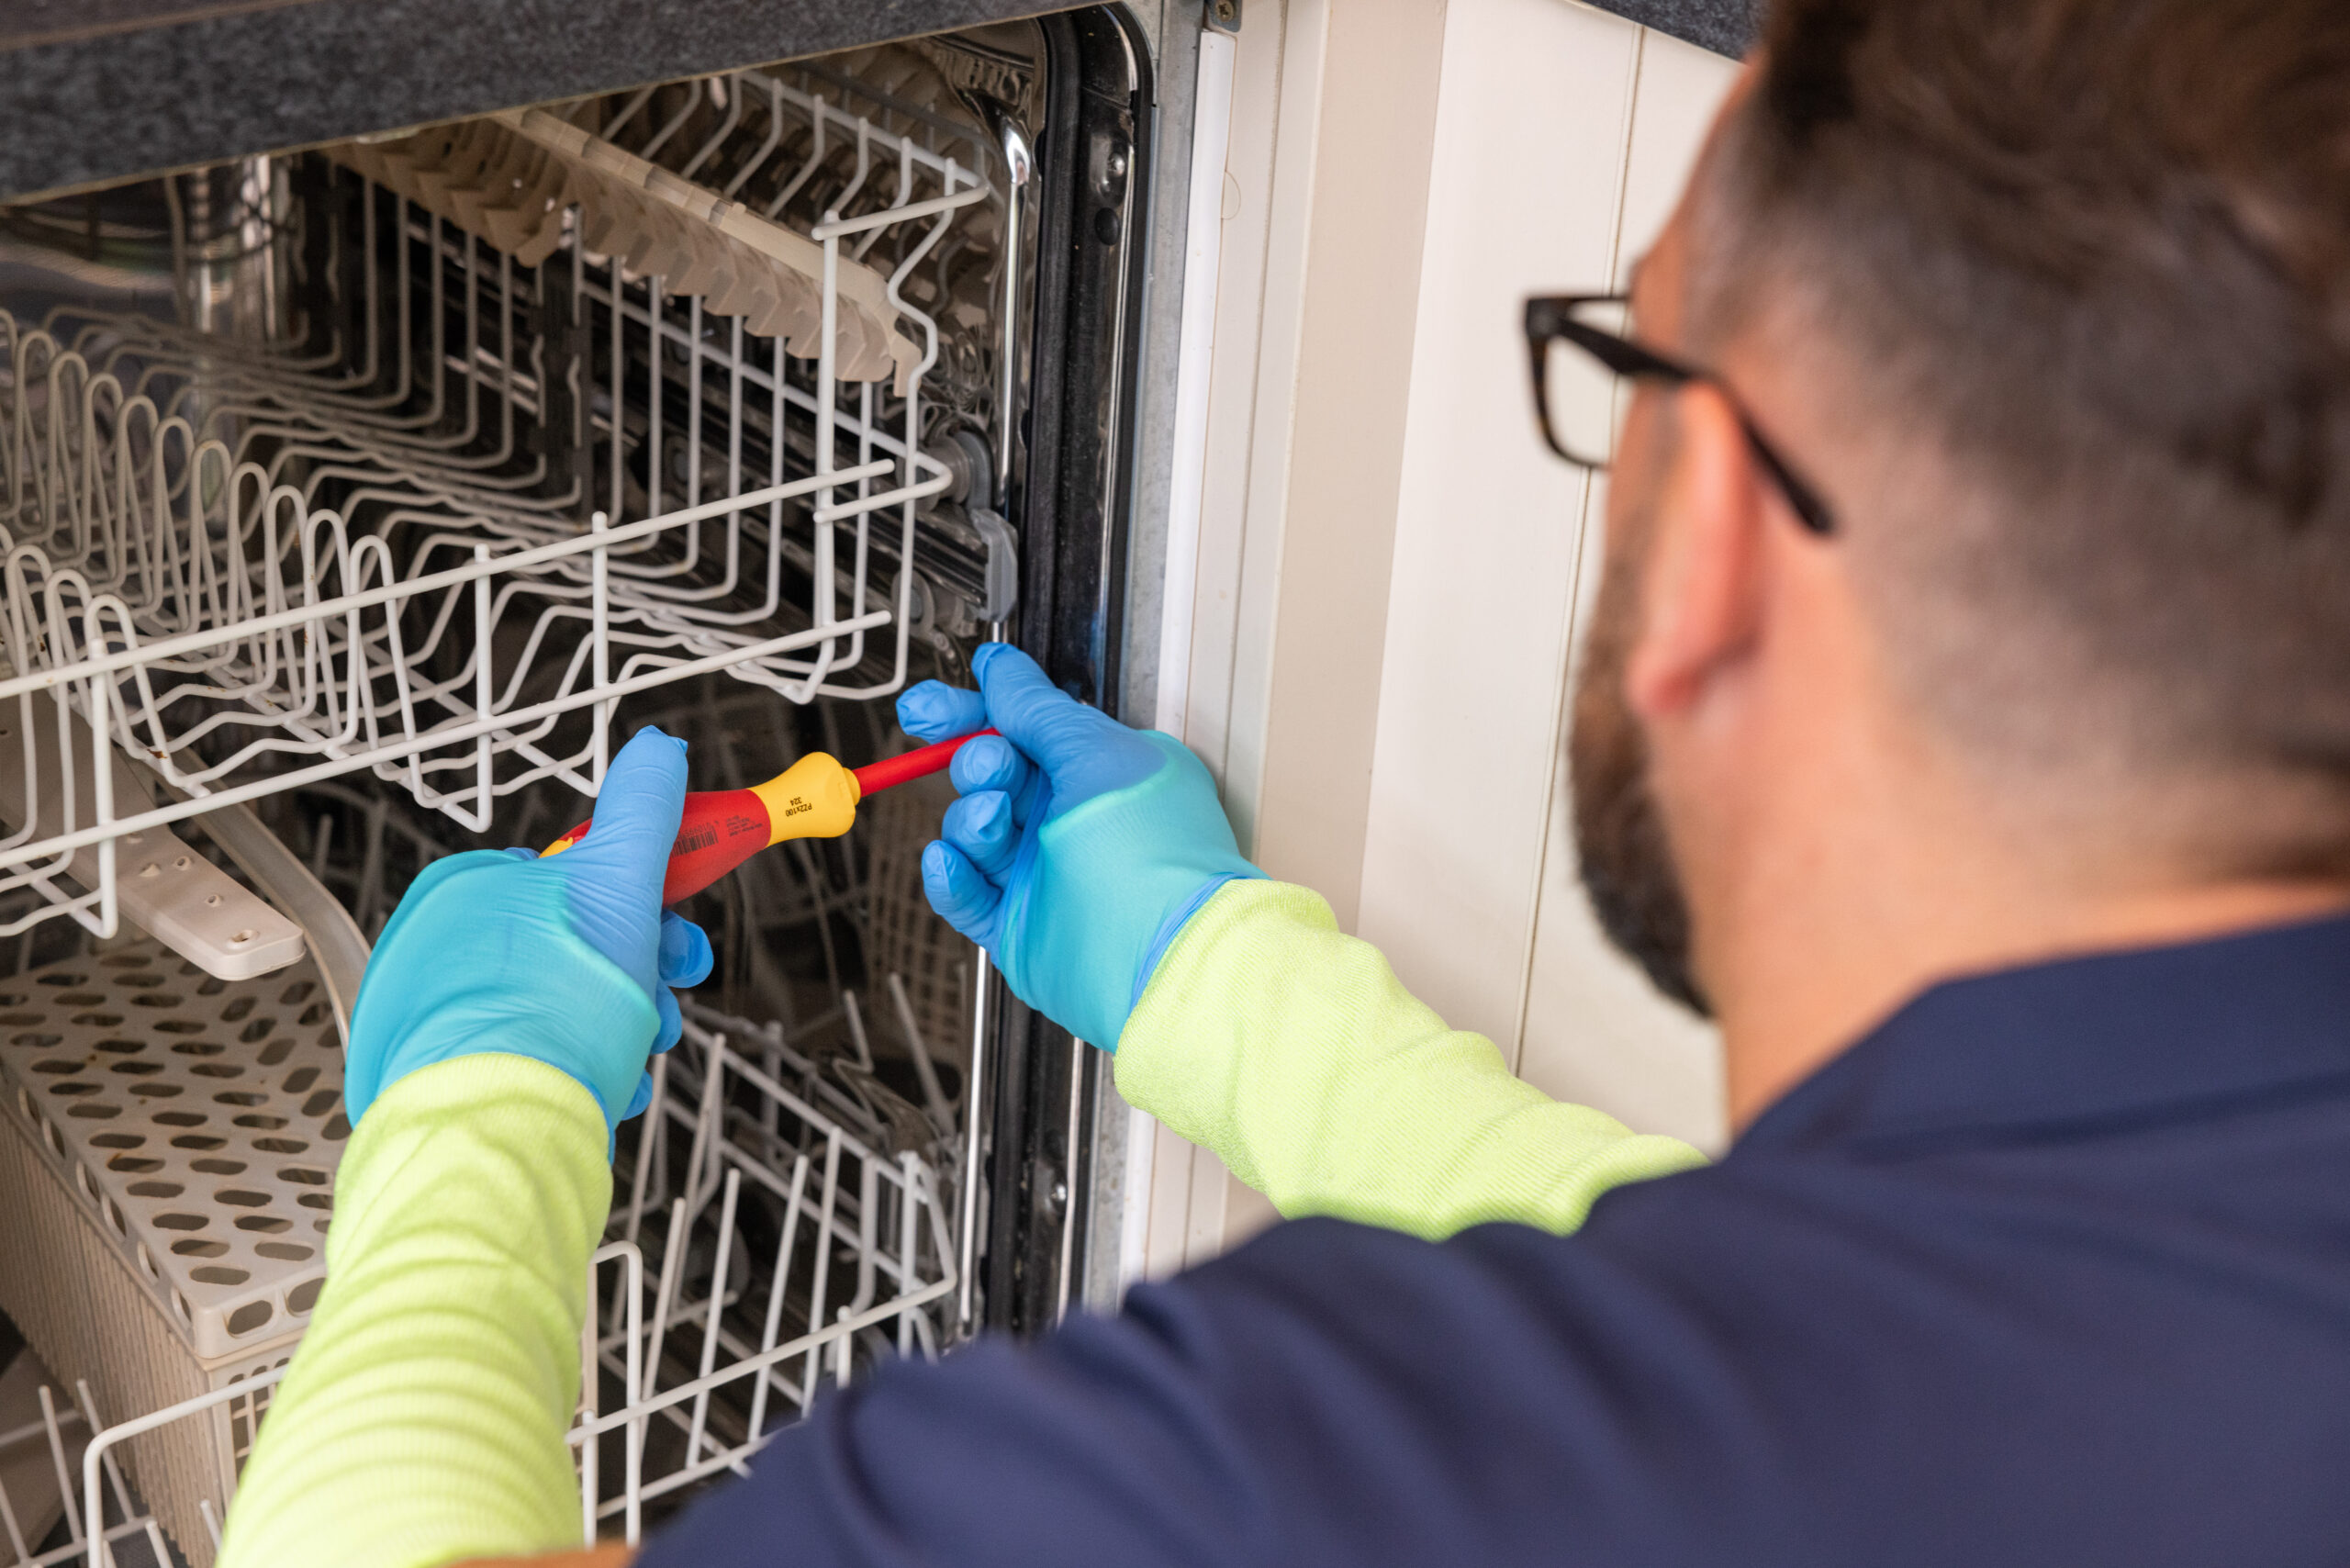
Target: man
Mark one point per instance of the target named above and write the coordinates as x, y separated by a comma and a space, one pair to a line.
1966, 722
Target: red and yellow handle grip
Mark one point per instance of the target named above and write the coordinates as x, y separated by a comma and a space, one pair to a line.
814, 798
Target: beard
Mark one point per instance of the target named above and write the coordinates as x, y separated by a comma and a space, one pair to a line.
1624, 855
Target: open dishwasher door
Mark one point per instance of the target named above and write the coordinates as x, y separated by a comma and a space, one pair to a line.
370, 480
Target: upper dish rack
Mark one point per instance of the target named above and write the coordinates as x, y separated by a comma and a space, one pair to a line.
435, 518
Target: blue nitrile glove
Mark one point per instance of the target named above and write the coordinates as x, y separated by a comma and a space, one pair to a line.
1074, 873
568, 960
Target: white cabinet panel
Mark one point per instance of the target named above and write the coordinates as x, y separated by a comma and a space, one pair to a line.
1682, 86
1595, 1032
1525, 189
1389, 565
1563, 136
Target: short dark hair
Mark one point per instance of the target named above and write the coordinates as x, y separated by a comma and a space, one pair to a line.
2096, 255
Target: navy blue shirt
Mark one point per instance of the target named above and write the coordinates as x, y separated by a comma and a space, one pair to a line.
2052, 1268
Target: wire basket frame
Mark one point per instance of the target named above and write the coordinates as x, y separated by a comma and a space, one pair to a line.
790, 1250
133, 1535
928, 960
462, 620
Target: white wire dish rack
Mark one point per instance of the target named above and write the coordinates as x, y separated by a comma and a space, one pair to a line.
416, 483
438, 537
765, 1239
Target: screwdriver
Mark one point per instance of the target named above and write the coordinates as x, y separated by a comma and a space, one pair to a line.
814, 798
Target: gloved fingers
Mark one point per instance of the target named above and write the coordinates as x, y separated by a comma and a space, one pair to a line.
982, 827
672, 1019
637, 813
686, 958
990, 762
963, 898
1060, 734
937, 712
642, 1099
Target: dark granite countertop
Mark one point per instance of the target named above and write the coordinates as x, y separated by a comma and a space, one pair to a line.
91, 89
1726, 27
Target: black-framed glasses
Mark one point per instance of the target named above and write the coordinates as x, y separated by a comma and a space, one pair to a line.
1580, 348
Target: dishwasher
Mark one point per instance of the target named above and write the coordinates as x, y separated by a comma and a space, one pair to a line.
361, 492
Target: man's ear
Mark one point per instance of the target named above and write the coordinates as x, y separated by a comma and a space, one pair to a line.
1702, 596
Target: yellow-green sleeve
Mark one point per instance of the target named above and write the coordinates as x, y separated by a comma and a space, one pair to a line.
424, 1418
1292, 1051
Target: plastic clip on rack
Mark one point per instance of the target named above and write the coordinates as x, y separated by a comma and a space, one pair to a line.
814, 798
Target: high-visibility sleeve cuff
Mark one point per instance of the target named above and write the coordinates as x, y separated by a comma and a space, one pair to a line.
1293, 1052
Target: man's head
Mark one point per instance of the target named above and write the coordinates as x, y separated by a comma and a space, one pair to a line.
2051, 300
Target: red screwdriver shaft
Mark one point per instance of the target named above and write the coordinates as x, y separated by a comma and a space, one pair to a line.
907, 767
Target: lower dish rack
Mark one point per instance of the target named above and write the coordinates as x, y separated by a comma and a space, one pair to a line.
771, 1230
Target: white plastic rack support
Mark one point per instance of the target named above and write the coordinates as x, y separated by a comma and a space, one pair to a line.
164, 886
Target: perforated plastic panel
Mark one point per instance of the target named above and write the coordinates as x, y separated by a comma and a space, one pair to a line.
196, 1120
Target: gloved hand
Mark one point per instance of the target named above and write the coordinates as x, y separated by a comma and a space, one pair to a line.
568, 960
1079, 847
